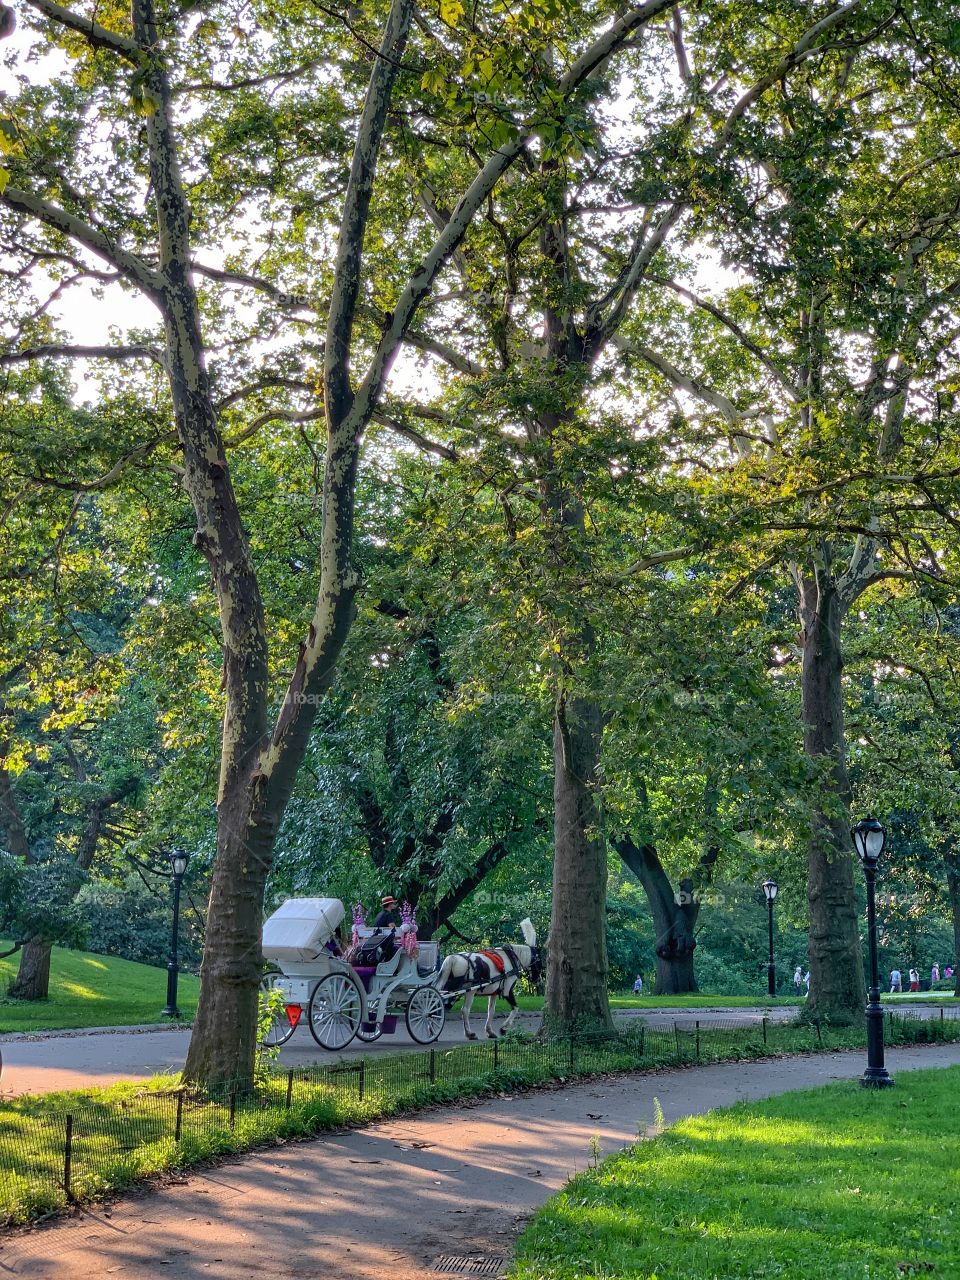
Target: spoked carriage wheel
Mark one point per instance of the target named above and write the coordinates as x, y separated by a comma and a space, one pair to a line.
336, 1008
425, 1015
281, 1028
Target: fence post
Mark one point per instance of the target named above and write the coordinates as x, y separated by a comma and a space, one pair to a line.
765, 1026
178, 1126
289, 1088
433, 1066
643, 1032
941, 1013
68, 1156
819, 1036
676, 1036
571, 1054
496, 1055
698, 1039
361, 1079
233, 1107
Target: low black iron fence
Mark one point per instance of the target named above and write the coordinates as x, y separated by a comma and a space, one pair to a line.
49, 1156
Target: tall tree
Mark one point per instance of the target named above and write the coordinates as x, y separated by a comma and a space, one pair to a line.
146, 56
562, 278
821, 367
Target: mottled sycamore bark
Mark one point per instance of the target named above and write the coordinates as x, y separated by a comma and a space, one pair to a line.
837, 988
577, 967
577, 970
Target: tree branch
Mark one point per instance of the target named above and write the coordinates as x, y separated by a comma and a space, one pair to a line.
420, 283
128, 264
804, 48
705, 304
68, 351
356, 207
96, 35
293, 300
414, 436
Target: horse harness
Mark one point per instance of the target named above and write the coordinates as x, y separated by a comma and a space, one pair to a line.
496, 963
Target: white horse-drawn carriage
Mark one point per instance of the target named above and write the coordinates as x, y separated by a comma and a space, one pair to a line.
339, 1000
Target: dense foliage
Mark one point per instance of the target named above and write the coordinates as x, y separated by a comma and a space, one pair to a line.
515, 470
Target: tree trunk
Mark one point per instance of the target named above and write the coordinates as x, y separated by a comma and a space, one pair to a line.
953, 886
11, 823
577, 970
837, 988
33, 977
223, 1045
674, 917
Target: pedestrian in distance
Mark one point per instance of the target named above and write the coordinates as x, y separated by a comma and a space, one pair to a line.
798, 978
896, 981
638, 984
934, 973
806, 983
914, 980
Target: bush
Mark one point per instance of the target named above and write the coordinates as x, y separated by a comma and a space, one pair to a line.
129, 921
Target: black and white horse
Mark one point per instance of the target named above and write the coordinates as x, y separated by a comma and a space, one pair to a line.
491, 973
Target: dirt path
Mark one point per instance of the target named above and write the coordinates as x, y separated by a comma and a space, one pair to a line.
388, 1200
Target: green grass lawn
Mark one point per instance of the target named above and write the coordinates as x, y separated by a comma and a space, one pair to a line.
700, 1001
828, 1184
923, 997
703, 1000
88, 990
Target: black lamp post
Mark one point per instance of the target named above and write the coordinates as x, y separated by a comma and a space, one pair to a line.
869, 839
770, 890
178, 865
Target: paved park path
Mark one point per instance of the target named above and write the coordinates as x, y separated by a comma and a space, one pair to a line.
383, 1203
44, 1062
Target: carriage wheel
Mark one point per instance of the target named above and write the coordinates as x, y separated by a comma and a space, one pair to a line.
336, 1008
281, 1028
425, 1015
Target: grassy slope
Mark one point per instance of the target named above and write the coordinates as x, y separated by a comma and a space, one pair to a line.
837, 1182
88, 990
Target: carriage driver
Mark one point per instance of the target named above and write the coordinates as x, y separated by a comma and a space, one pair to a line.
389, 917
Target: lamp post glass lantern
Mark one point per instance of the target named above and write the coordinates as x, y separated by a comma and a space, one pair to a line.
770, 891
869, 840
178, 867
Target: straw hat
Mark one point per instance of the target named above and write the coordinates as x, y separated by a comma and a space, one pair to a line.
388, 901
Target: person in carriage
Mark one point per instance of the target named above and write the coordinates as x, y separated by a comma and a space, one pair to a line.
389, 917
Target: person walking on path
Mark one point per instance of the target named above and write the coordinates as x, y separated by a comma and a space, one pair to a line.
806, 983
638, 985
896, 981
798, 978
934, 973
914, 980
